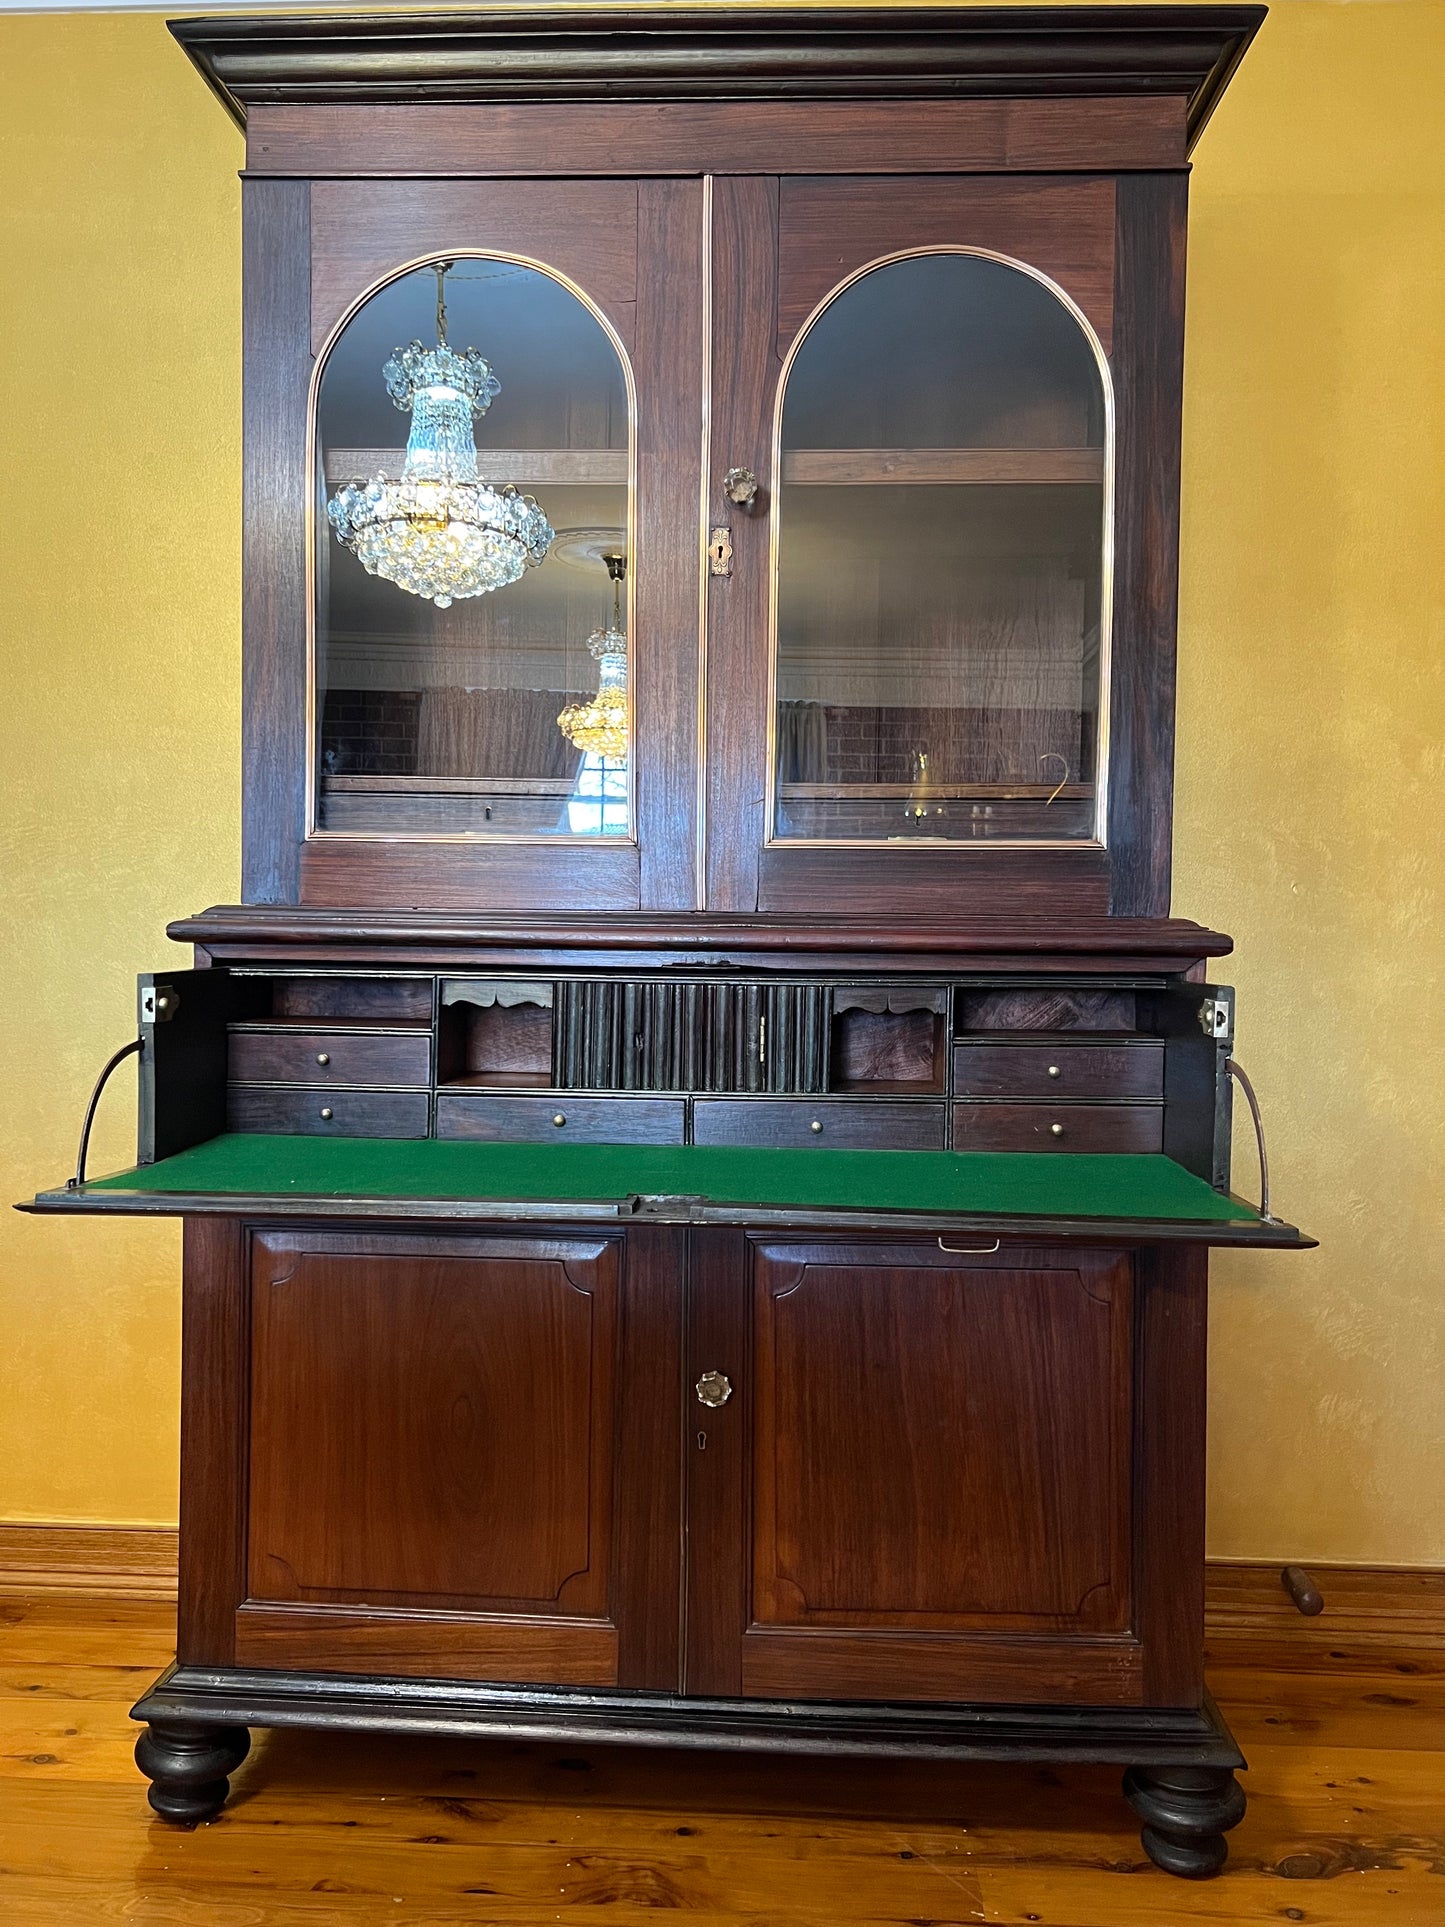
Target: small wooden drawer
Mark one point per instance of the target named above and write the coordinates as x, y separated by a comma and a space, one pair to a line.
1058, 1127
1059, 1070
583, 1120
326, 1113
849, 1124
330, 1057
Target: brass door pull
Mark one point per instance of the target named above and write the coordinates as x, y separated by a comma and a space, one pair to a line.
714, 1389
971, 1251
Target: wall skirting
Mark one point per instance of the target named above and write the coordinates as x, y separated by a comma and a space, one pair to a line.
118, 1562
1372, 1613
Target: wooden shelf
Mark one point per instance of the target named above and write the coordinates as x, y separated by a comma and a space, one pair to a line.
941, 467
532, 467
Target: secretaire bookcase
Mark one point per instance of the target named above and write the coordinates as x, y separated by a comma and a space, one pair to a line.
700, 1146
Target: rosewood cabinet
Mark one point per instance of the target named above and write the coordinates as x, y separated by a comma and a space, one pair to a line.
700, 1146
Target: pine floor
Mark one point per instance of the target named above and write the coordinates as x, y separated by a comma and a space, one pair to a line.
1346, 1824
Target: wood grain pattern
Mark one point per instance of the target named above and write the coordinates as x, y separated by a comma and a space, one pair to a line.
908, 1125
1059, 1071
937, 1443
361, 231
1149, 377
356, 874
585, 1120
829, 228
955, 878
744, 384
670, 403
1070, 1670
566, 1652
433, 1421
920, 467
1057, 1128
215, 1371
329, 1057
707, 137
1344, 1822
123, 1562
276, 370
323, 1112
718, 1463
1171, 1352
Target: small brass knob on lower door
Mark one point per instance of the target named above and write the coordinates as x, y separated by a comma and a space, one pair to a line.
1057, 1130
326, 1111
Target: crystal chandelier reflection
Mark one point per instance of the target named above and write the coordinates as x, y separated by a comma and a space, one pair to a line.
599, 727
440, 532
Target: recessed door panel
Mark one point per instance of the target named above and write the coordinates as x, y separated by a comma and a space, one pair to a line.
938, 1446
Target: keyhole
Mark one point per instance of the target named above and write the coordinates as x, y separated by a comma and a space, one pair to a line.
702, 1441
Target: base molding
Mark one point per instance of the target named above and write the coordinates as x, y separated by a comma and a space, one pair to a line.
115, 1562
1121, 1736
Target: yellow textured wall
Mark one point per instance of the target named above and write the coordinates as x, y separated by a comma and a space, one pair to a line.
1312, 732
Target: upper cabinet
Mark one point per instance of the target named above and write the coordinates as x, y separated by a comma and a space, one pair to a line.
723, 466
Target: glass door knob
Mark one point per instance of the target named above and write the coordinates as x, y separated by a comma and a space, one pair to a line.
714, 1388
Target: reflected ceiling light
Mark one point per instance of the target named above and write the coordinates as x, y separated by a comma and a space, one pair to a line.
440, 532
599, 727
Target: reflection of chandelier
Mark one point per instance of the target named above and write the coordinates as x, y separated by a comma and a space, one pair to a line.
600, 726
440, 532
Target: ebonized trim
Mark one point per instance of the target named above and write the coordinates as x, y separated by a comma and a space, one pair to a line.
338, 1703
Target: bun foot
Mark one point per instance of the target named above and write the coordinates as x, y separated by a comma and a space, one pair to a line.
1186, 1810
189, 1768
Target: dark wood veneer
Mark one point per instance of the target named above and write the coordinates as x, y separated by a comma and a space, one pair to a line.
620, 53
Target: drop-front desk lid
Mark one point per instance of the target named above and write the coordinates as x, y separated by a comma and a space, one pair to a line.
1143, 1198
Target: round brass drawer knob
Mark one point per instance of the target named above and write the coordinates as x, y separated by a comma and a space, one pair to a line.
816, 1125
326, 1112
323, 1057
714, 1389
1057, 1130
1053, 1070
559, 1119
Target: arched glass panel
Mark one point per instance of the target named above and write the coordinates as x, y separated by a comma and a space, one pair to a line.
460, 600
942, 597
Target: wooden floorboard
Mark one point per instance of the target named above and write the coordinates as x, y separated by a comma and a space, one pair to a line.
1346, 1826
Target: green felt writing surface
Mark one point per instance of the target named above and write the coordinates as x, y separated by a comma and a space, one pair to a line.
992, 1183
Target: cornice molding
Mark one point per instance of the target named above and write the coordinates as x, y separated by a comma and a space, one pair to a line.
681, 53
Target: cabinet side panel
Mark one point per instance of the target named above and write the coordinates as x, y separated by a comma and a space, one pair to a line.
276, 371
215, 1367
1148, 363
1171, 1349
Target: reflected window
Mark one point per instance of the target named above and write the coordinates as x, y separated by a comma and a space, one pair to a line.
456, 599
598, 804
941, 608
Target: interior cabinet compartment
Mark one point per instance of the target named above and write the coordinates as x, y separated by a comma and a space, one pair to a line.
884, 1039
1046, 1007
388, 1001
495, 1033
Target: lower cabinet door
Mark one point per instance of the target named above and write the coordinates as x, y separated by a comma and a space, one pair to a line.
454, 1458
923, 1467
